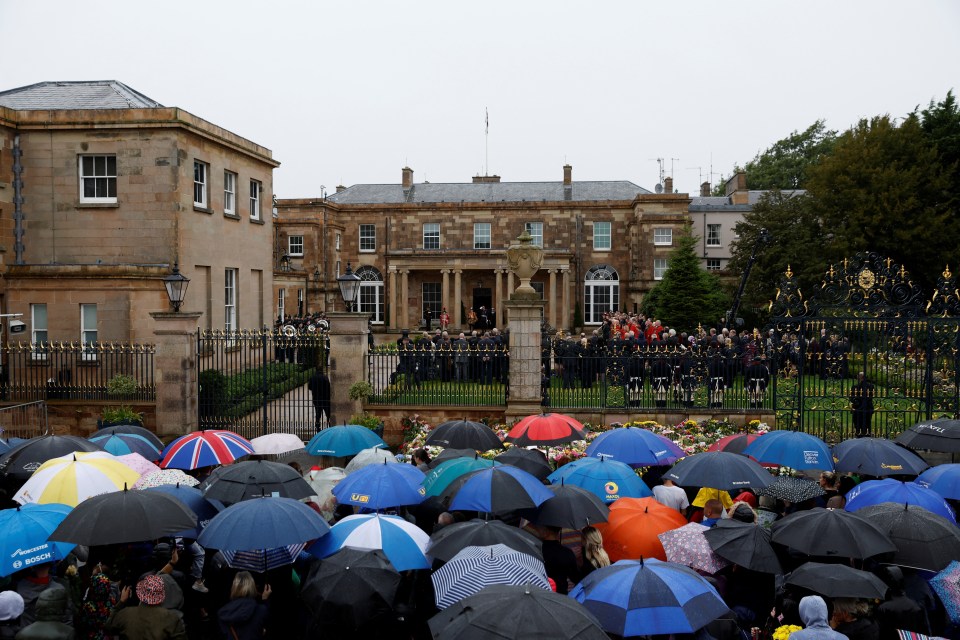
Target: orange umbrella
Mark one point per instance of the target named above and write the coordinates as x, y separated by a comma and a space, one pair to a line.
632, 528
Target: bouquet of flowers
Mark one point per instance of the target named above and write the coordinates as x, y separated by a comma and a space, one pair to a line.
784, 631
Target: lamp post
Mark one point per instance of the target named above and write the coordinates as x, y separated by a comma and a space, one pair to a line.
349, 284
176, 284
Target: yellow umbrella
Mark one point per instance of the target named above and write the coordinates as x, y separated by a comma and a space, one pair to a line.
707, 493
73, 478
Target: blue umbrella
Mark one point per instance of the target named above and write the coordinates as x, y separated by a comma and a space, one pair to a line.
193, 499
500, 489
607, 479
120, 444
263, 523
437, 481
381, 486
402, 542
636, 447
649, 597
4, 446
871, 492
794, 449
944, 479
25, 532
876, 457
343, 441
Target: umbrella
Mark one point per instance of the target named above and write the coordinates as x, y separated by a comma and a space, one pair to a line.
263, 560
831, 532
609, 480
636, 447
633, 525
719, 470
451, 454
943, 478
507, 611
277, 444
132, 429
744, 544
343, 441
498, 490
323, 481
124, 516
936, 435
946, 584
450, 540
546, 430
373, 455
4, 446
873, 492
73, 478
25, 532
205, 449
649, 597
403, 543
837, 581
734, 443
533, 461
138, 463
876, 457
794, 449
464, 434
193, 499
571, 507
263, 523
381, 486
252, 478
792, 489
351, 588
120, 444
687, 545
923, 539
22, 460
166, 476
477, 567
439, 479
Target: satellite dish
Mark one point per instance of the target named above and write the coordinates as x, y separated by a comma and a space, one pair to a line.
658, 188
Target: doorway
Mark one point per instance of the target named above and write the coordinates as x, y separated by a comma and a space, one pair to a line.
483, 297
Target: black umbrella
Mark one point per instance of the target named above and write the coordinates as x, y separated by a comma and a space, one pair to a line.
20, 462
570, 508
464, 434
933, 435
837, 581
254, 478
745, 544
792, 489
719, 470
124, 516
831, 532
351, 589
533, 461
452, 539
923, 539
133, 430
876, 457
506, 611
451, 454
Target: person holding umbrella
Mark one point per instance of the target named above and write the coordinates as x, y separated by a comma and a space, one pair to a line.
150, 620
244, 617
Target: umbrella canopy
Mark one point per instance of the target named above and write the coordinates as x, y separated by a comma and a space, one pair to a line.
344, 441
350, 588
193, 499
166, 476
794, 449
253, 478
533, 461
635, 447
831, 532
450, 540
935, 435
381, 486
633, 525
506, 611
21, 461
133, 429
923, 539
498, 490
73, 478
323, 481
373, 455
120, 444
277, 444
440, 478
687, 545
124, 516
871, 492
792, 489
263, 560
464, 434
477, 567
451, 454
837, 581
734, 443
649, 597
263, 523
943, 478
138, 463
609, 480
946, 584
25, 532
719, 470
744, 544
876, 457
571, 507
546, 430
205, 449
403, 543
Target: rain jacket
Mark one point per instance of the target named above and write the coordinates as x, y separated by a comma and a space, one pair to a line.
813, 612
49, 610
244, 617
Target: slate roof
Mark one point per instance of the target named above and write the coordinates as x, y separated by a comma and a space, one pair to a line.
722, 203
428, 192
96, 94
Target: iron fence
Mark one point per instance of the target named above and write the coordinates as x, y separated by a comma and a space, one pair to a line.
24, 420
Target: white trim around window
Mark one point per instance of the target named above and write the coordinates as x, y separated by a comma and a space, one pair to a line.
230, 299
601, 236
295, 246
98, 179
713, 235
481, 235
659, 268
256, 193
663, 236
535, 229
229, 193
201, 172
368, 238
431, 235
88, 330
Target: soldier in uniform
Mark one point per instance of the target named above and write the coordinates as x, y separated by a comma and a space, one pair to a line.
756, 378
661, 373
635, 366
688, 378
716, 371
861, 401
487, 347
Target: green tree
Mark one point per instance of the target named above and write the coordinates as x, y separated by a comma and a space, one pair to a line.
941, 123
785, 164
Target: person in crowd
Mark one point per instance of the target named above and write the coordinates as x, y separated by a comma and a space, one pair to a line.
319, 385
742, 512
861, 403
50, 609
244, 616
594, 555
559, 561
813, 612
899, 611
421, 460
98, 604
150, 620
851, 618
670, 495
164, 561
33, 582
712, 511
11, 608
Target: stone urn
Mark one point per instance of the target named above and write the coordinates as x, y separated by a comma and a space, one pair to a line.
524, 259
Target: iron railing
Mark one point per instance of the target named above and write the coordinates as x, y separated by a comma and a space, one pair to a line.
24, 420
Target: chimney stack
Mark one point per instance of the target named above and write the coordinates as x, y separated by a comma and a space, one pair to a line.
407, 178
668, 185
705, 190
340, 188
567, 175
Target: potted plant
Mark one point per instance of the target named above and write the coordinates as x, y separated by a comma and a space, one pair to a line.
120, 386
372, 422
361, 391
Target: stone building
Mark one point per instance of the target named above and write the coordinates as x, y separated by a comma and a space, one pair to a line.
423, 247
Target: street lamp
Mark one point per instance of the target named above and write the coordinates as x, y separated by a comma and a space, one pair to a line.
316, 273
349, 284
176, 285
284, 262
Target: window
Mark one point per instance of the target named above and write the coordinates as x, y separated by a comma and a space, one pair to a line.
281, 304
229, 193
98, 179
481, 235
230, 300
295, 245
337, 242
431, 300
371, 294
300, 309
659, 268
601, 236
255, 190
535, 229
368, 237
88, 330
713, 235
713, 264
601, 292
337, 270
38, 329
200, 184
663, 237
431, 235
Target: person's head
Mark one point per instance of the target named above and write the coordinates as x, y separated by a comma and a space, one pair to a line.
813, 611
163, 553
848, 609
293, 464
828, 480
420, 456
845, 484
445, 519
743, 512
11, 606
712, 508
151, 591
243, 586
593, 550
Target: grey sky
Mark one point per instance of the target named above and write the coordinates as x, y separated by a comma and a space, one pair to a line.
350, 92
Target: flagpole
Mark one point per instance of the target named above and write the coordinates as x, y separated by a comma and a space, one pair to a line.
486, 143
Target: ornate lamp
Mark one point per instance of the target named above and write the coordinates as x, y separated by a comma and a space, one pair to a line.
524, 259
176, 285
349, 284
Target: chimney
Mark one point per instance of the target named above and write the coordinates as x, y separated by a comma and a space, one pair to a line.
668, 185
736, 188
567, 175
486, 179
407, 178
340, 188
705, 190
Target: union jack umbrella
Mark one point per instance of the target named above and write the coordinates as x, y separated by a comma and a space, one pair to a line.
205, 449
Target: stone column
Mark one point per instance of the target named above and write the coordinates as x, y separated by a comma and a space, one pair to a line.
567, 318
404, 298
524, 358
391, 297
348, 362
553, 297
498, 296
457, 301
444, 293
175, 369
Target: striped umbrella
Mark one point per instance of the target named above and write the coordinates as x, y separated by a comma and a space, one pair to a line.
402, 542
73, 478
477, 567
263, 560
205, 449
120, 444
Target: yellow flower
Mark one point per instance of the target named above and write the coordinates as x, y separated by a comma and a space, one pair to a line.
783, 632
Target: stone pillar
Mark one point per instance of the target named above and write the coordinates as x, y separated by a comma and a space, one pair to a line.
567, 318
404, 303
391, 298
553, 297
444, 293
506, 314
457, 301
175, 370
524, 358
348, 362
498, 296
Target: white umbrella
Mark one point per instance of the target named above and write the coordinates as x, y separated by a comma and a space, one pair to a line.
73, 478
368, 457
277, 443
138, 463
323, 481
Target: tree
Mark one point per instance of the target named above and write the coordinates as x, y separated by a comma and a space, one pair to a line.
941, 123
785, 164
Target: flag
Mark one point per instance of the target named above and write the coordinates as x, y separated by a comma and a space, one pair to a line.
487, 112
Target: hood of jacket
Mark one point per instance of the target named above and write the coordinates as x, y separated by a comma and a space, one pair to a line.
813, 612
51, 604
238, 611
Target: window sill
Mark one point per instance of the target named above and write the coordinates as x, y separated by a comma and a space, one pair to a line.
202, 209
232, 216
256, 221
607, 250
295, 255
713, 246
97, 205
368, 250
663, 244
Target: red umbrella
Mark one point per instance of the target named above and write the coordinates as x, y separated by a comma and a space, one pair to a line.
547, 430
735, 443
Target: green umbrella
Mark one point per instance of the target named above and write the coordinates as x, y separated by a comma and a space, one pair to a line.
440, 478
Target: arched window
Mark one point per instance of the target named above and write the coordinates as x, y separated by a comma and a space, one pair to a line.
371, 296
601, 292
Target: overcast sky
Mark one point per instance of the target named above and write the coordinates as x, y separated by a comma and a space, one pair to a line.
350, 92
